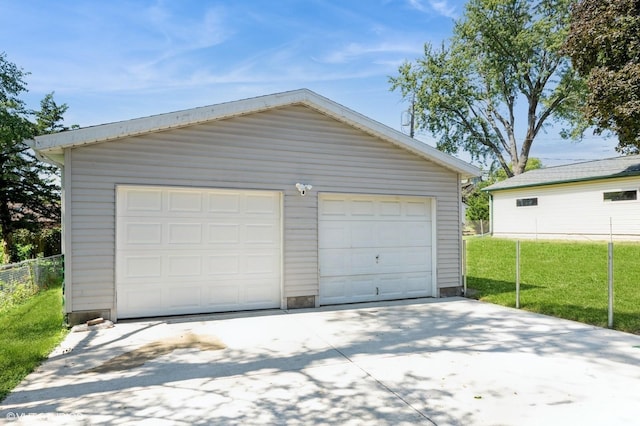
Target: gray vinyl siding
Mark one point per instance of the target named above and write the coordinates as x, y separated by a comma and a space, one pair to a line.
270, 150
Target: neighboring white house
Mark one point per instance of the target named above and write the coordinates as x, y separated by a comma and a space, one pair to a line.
281, 201
594, 200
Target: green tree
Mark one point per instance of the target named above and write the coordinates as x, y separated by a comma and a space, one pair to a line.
604, 45
502, 52
50, 117
29, 193
478, 202
532, 164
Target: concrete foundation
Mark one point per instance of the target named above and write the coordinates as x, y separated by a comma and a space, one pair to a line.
301, 302
81, 317
451, 291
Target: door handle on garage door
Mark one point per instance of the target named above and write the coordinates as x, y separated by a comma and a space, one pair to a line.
377, 258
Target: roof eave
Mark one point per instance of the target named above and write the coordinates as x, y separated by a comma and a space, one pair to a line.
397, 138
561, 182
53, 145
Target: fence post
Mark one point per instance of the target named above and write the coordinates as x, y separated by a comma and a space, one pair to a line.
610, 322
517, 274
36, 273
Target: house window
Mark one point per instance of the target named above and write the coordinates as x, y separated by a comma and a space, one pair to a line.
526, 202
621, 195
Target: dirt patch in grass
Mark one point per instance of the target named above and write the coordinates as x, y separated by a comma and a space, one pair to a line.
153, 350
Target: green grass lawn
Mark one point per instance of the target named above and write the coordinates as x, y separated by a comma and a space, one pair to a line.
28, 333
563, 279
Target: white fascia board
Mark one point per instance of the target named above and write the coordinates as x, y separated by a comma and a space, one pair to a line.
379, 130
154, 123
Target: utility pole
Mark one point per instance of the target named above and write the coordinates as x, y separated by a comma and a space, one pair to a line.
413, 115
411, 121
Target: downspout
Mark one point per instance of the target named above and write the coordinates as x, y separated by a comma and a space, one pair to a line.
461, 246
490, 213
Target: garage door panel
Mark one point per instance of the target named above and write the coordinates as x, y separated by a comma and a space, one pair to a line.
415, 284
402, 260
356, 261
392, 234
261, 263
361, 234
184, 233
184, 297
335, 235
224, 203
142, 200
391, 287
140, 299
141, 267
257, 294
203, 251
332, 208
262, 234
223, 264
224, 296
419, 234
184, 266
333, 289
261, 205
338, 262
417, 208
361, 287
374, 247
142, 233
184, 201
333, 263
390, 208
353, 233
223, 233
362, 208
362, 261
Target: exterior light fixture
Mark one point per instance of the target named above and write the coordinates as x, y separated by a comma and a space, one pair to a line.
303, 188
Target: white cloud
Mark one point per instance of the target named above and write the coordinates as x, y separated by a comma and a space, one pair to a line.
185, 34
441, 7
355, 50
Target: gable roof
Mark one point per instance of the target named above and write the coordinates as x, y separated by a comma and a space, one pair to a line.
52, 146
579, 172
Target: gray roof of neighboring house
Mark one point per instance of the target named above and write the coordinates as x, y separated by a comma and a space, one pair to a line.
578, 172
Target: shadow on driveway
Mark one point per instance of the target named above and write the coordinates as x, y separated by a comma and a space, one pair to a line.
430, 361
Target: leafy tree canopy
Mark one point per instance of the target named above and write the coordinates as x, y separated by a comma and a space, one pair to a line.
502, 52
604, 45
29, 192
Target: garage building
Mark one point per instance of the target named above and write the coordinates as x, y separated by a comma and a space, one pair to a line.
282, 201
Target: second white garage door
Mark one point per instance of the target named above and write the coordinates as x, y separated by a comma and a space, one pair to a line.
184, 250
374, 248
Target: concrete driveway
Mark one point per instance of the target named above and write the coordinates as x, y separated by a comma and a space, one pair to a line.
429, 361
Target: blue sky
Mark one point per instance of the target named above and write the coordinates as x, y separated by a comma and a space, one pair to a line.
116, 60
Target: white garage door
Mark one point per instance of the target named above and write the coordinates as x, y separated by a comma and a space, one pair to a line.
374, 248
182, 251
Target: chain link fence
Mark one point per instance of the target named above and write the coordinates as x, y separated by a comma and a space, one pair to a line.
476, 227
19, 281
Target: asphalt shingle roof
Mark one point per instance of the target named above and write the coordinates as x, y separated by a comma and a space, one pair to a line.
590, 170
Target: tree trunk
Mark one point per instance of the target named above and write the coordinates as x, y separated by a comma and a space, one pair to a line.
7, 243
